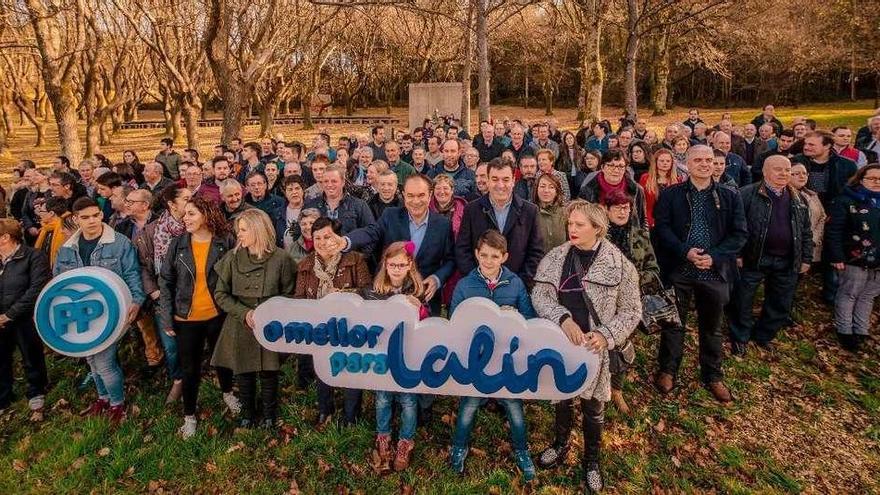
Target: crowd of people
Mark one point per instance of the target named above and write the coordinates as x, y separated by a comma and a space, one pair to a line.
575, 227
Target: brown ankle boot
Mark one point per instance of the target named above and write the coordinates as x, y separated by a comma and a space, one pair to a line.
720, 391
619, 401
664, 382
404, 452
383, 446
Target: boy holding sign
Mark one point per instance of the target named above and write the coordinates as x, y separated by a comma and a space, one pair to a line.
495, 282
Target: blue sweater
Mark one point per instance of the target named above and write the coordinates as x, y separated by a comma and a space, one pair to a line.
509, 291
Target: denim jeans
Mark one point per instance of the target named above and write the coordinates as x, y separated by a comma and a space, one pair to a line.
108, 375
169, 344
855, 299
467, 411
408, 408
780, 282
352, 399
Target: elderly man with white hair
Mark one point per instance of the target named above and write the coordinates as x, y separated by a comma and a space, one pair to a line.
700, 228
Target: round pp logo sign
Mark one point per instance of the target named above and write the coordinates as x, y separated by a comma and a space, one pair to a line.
82, 312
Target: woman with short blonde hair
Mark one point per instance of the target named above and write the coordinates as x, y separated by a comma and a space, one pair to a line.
254, 271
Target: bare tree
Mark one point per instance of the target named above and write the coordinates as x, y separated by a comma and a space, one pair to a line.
59, 29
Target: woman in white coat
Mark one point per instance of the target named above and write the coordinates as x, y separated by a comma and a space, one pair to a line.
589, 287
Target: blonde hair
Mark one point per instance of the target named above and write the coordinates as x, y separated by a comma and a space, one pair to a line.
380, 166
382, 283
259, 223
595, 214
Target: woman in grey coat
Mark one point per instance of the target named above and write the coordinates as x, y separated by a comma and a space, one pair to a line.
591, 290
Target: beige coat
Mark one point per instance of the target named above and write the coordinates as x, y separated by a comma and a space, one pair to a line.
612, 284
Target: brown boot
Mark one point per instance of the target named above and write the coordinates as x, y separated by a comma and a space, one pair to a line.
619, 401
383, 446
720, 391
664, 382
404, 452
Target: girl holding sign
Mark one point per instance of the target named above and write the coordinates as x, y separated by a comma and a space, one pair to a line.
397, 275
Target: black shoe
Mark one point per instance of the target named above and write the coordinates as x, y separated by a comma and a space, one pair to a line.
848, 342
766, 346
426, 415
738, 348
553, 455
593, 482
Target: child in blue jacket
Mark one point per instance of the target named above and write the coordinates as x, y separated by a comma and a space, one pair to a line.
492, 280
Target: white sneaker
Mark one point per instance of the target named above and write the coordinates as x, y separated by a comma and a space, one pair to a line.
189, 427
37, 403
232, 403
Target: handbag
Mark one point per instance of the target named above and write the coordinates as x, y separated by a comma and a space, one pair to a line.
659, 310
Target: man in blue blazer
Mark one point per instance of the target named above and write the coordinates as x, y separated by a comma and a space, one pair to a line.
429, 231
507, 213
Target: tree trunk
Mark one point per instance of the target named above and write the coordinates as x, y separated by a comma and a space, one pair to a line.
92, 138
267, 117
631, 96
176, 131
467, 69
548, 100
526, 98
483, 57
190, 109
31, 116
592, 73
8, 127
166, 114
660, 88
307, 112
64, 108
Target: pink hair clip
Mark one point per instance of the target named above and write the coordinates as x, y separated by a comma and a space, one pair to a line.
410, 248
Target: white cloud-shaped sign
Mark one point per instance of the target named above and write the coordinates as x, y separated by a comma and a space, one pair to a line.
483, 351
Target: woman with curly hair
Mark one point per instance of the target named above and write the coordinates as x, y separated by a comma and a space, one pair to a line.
187, 309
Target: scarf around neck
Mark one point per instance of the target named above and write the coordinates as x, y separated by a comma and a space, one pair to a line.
167, 228
326, 272
605, 189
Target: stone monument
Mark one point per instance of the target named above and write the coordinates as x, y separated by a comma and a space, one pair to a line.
426, 98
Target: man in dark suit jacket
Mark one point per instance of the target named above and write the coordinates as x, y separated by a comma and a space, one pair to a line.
501, 210
430, 232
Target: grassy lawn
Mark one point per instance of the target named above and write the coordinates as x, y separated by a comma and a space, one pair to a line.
807, 419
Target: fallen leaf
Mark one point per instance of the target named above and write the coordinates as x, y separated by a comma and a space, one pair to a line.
676, 461
294, 488
19, 465
211, 467
104, 452
323, 467
660, 426
238, 446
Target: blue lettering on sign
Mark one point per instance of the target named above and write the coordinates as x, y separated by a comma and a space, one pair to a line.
54, 319
335, 333
479, 354
82, 313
